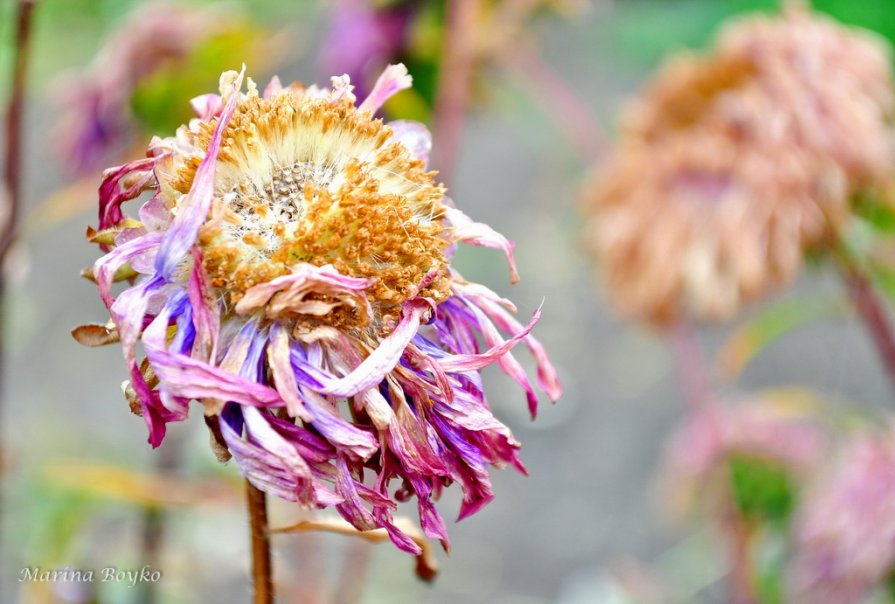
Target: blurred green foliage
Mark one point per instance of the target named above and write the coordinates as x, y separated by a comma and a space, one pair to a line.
762, 489
645, 30
161, 101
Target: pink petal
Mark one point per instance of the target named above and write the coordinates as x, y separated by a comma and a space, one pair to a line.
465, 230
393, 80
384, 358
459, 363
289, 293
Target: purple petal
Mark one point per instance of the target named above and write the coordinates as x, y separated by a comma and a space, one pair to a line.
415, 137
193, 210
110, 194
473, 362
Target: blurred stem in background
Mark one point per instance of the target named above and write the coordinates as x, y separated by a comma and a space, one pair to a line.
872, 311
11, 198
454, 83
560, 103
155, 517
696, 387
262, 582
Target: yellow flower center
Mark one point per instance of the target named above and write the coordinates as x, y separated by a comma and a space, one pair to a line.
317, 181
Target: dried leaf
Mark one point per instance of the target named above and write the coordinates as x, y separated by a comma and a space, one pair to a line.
122, 274
94, 334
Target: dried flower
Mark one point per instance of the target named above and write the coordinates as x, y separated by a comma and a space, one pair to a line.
844, 535
293, 275
735, 164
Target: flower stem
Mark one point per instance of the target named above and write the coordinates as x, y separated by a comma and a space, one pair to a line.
262, 581
873, 312
454, 84
696, 385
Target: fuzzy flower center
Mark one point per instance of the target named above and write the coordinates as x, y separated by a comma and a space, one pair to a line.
304, 180
258, 218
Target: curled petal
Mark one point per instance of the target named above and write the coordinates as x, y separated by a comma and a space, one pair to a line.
393, 80
300, 293
466, 230
105, 268
459, 363
384, 358
189, 378
261, 433
137, 176
548, 379
207, 106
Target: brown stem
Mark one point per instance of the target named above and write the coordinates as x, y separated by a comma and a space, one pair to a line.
454, 84
696, 385
873, 312
262, 581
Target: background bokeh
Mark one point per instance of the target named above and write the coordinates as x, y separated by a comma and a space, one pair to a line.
587, 517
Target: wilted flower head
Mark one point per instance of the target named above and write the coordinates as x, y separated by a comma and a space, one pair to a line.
99, 103
775, 433
292, 273
844, 535
733, 165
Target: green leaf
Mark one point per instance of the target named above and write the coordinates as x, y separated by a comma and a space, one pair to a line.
749, 339
762, 489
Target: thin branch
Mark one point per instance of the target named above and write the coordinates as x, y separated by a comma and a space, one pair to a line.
262, 577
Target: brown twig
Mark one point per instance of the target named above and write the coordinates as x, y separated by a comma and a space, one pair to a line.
262, 581
696, 385
454, 84
873, 312
426, 562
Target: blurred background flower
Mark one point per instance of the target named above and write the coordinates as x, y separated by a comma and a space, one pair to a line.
735, 165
